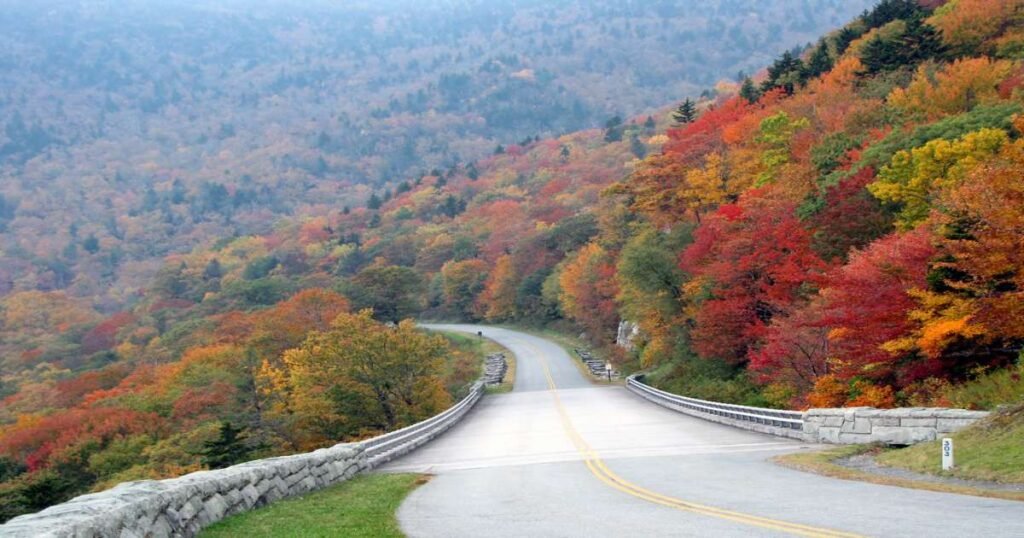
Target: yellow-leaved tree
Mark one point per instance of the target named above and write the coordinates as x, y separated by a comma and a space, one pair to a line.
360, 377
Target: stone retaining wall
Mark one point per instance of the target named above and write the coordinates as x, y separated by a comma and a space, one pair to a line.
181, 507
904, 426
185, 505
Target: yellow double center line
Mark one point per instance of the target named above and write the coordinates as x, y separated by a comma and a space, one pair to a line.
606, 475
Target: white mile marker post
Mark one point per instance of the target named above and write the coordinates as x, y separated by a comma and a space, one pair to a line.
947, 454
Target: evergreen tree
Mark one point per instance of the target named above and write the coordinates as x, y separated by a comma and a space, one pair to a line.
472, 173
499, 150
649, 124
213, 270
879, 55
227, 449
686, 113
91, 244
564, 153
843, 39
889, 10
637, 146
374, 202
921, 42
786, 72
749, 92
820, 61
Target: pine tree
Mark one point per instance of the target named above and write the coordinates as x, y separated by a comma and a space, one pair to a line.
749, 92
889, 10
786, 72
227, 449
213, 270
374, 202
820, 61
686, 113
843, 39
637, 146
921, 42
649, 124
879, 55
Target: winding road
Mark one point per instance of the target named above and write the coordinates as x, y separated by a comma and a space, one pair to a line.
560, 456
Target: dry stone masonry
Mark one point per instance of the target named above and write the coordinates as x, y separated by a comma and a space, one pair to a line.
181, 507
495, 367
597, 367
904, 426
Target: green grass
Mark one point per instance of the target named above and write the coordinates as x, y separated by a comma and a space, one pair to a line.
823, 462
992, 449
363, 506
479, 348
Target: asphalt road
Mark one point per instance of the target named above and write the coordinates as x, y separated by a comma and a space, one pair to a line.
560, 456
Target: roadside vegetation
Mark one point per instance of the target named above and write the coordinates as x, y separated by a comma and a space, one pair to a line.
992, 449
989, 453
364, 506
843, 229
471, 351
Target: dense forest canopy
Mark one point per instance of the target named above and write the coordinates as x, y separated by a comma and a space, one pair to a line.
844, 227
134, 129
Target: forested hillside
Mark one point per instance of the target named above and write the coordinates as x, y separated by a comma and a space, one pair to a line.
845, 227
134, 129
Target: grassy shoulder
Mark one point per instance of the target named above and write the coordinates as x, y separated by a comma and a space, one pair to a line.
992, 450
476, 348
824, 462
362, 507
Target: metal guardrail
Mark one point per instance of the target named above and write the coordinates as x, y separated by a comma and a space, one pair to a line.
378, 449
793, 420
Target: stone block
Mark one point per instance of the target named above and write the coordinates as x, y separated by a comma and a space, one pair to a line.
828, 435
160, 529
854, 438
949, 425
885, 421
214, 508
858, 425
834, 421
918, 422
130, 533
900, 435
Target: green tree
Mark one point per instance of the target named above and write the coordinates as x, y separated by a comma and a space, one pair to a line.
749, 91
685, 112
393, 292
374, 202
230, 447
820, 61
213, 270
91, 244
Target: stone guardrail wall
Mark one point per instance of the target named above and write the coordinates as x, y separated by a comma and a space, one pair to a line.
904, 426
181, 507
771, 421
849, 425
